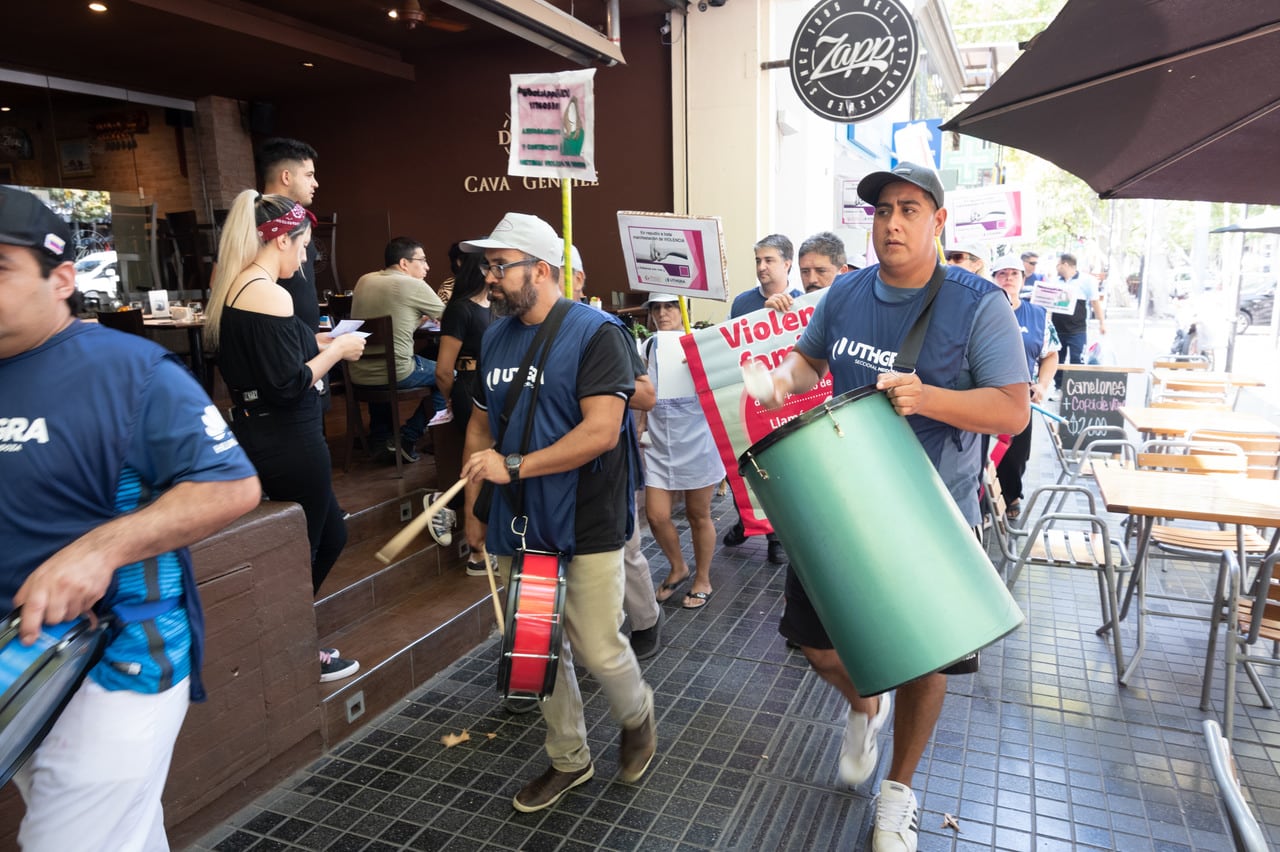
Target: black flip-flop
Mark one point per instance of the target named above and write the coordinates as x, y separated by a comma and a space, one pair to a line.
670, 588
703, 597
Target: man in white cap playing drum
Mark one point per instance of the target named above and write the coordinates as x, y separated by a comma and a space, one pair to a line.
563, 480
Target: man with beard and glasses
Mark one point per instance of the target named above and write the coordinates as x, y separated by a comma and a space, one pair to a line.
563, 482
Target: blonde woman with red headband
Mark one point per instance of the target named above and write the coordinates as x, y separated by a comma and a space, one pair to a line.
274, 365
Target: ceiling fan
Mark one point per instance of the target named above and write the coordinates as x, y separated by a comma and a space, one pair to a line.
411, 14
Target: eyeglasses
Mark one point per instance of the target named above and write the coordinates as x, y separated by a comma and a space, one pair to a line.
957, 257
422, 259
1030, 262
499, 270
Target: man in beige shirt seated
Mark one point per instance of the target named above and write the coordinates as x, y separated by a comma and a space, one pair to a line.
400, 291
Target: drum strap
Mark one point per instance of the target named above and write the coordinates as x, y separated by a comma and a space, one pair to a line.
914, 341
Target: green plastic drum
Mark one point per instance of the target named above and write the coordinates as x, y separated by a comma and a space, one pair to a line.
898, 578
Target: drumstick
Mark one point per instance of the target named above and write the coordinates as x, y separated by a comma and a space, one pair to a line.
401, 540
493, 590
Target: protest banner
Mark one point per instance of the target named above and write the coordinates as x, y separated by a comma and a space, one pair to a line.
716, 355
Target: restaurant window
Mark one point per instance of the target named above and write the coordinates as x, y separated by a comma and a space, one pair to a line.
117, 165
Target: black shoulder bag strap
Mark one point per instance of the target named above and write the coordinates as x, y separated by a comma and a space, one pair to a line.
914, 341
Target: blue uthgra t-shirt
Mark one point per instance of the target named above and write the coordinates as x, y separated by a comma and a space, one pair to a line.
859, 325
94, 424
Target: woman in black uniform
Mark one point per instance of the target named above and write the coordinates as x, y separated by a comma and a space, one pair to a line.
274, 364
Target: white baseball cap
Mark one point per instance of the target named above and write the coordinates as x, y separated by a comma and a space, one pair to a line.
1006, 261
522, 232
576, 259
659, 298
975, 249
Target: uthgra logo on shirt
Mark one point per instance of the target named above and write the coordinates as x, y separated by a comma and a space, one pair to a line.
850, 59
864, 354
504, 376
17, 431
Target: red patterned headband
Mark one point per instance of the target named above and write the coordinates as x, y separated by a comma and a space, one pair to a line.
285, 224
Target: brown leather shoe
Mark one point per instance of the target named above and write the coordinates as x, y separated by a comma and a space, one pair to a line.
639, 745
547, 789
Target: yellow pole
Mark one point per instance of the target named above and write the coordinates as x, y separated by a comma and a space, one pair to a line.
942, 255
566, 211
684, 313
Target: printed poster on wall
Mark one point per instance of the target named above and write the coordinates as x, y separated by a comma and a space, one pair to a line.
737, 421
553, 125
668, 253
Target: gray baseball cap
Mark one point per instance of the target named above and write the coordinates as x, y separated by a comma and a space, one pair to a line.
870, 187
522, 232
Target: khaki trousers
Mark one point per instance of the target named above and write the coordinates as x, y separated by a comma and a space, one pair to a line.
592, 622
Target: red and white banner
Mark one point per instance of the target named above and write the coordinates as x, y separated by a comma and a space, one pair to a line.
737, 421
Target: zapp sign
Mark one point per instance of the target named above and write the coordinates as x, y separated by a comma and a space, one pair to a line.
850, 59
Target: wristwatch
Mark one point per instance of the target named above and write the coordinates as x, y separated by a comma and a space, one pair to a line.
514, 460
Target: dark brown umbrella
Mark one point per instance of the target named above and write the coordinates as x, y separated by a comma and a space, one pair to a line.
1175, 99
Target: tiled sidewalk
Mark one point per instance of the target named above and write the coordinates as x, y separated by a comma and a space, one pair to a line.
1039, 750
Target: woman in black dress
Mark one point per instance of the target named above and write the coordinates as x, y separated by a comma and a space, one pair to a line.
274, 365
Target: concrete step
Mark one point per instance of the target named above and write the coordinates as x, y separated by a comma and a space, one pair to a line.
403, 622
401, 643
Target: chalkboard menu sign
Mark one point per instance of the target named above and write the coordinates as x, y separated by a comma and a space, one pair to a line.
1091, 398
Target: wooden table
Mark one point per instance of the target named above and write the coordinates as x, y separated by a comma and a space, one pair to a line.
1157, 494
1199, 381
1160, 375
1177, 422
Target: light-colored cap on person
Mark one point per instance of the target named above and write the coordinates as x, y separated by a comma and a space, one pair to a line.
659, 298
973, 249
1007, 261
525, 233
576, 259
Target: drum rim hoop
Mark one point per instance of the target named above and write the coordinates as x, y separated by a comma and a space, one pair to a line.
802, 420
83, 645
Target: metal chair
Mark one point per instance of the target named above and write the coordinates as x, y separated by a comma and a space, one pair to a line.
1193, 544
380, 347
1246, 833
1095, 447
1057, 539
1262, 449
1256, 614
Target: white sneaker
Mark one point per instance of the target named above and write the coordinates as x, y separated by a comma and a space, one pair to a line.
441, 417
897, 819
860, 750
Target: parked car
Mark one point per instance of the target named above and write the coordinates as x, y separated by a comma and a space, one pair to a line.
99, 273
1256, 308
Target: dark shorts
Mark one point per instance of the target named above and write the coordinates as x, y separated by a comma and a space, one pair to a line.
801, 625
800, 622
